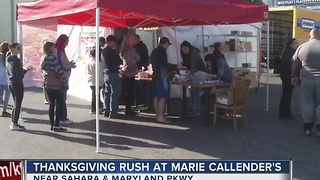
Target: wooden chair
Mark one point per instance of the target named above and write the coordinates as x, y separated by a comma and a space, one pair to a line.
240, 91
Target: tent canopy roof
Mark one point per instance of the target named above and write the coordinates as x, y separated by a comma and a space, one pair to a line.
143, 13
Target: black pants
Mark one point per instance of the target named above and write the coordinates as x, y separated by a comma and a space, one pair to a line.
285, 101
17, 91
64, 113
56, 100
129, 91
93, 98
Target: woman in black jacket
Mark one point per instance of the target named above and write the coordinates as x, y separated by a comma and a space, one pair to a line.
285, 75
15, 73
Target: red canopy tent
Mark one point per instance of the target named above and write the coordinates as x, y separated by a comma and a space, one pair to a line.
144, 13
141, 13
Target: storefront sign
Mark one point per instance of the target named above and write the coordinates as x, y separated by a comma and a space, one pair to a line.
307, 24
295, 2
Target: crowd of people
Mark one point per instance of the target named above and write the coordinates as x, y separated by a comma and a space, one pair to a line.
117, 64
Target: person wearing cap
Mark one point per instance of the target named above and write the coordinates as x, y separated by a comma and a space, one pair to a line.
160, 65
111, 78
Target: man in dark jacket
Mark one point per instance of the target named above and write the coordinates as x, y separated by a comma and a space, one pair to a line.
142, 50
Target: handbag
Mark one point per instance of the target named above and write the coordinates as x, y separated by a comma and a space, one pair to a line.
52, 80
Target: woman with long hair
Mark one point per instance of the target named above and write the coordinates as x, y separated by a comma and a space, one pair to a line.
219, 67
129, 70
50, 64
285, 75
15, 73
193, 61
4, 89
66, 66
91, 75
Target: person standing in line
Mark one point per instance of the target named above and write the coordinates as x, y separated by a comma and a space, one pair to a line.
285, 75
143, 64
66, 65
306, 59
51, 65
191, 56
129, 70
111, 78
15, 74
91, 75
102, 45
160, 81
4, 88
142, 50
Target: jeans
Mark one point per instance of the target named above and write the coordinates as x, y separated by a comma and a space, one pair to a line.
64, 114
285, 101
17, 91
93, 98
195, 94
55, 101
129, 91
112, 92
5, 95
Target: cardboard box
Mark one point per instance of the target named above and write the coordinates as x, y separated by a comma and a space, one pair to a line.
235, 32
226, 48
225, 98
210, 49
235, 44
249, 33
243, 33
247, 47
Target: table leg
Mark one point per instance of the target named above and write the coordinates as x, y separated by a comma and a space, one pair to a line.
207, 103
184, 102
150, 97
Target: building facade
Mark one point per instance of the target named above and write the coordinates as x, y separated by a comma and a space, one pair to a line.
8, 21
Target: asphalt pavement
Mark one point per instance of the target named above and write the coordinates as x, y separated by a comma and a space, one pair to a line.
142, 137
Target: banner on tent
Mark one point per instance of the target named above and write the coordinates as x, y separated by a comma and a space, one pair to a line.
32, 40
87, 42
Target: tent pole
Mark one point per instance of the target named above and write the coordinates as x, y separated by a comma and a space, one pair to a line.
268, 64
97, 79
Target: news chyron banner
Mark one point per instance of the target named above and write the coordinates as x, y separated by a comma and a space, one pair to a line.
157, 170
10, 170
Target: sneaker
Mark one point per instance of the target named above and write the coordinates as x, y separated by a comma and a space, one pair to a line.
6, 114
130, 113
17, 127
164, 121
195, 114
92, 112
190, 111
308, 133
66, 122
115, 116
46, 102
59, 129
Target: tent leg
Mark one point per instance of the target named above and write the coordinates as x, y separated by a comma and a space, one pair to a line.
268, 64
97, 80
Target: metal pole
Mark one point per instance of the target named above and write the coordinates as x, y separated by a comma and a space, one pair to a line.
97, 79
268, 63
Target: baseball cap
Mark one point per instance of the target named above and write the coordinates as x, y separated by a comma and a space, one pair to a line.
164, 40
111, 38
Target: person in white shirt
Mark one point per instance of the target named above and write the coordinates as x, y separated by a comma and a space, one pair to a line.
91, 75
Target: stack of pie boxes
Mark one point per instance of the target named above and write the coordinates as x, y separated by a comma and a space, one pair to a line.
246, 73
